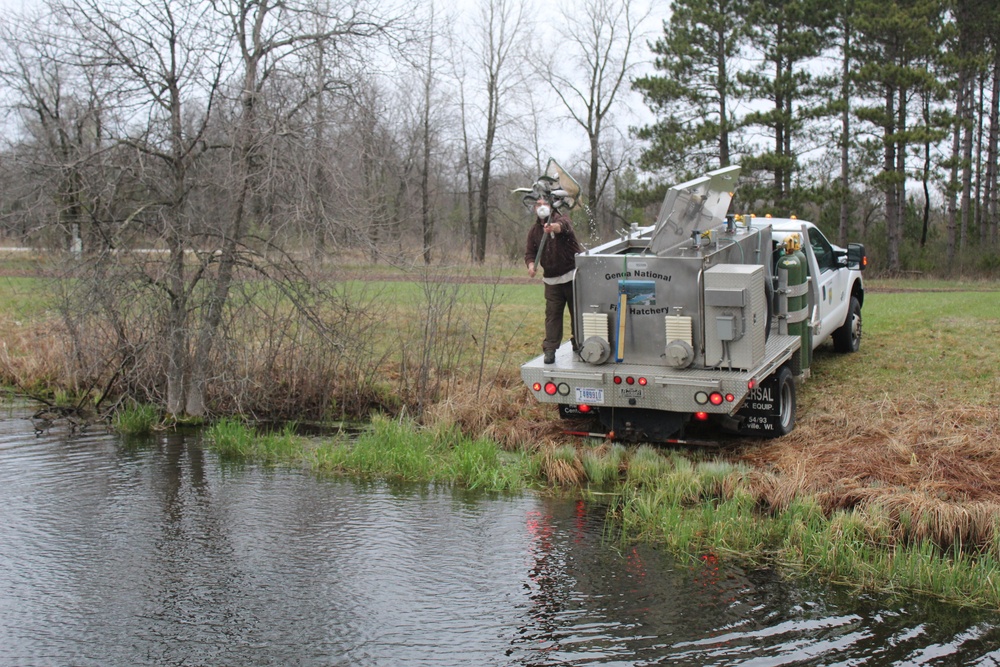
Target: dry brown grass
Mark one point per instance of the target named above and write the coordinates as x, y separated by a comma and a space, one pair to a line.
33, 356
507, 414
561, 466
932, 467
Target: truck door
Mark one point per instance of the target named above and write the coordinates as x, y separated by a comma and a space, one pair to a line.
832, 297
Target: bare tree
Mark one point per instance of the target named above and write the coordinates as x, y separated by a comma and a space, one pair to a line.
169, 63
264, 33
500, 35
601, 41
63, 107
202, 93
426, 218
467, 167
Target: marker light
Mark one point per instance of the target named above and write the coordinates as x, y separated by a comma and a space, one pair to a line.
701, 416
537, 386
751, 384
550, 388
643, 382
715, 398
630, 380
618, 379
730, 398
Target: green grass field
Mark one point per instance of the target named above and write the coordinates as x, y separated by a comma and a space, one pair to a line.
920, 344
25, 298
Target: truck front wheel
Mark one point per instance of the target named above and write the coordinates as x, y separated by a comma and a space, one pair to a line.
848, 337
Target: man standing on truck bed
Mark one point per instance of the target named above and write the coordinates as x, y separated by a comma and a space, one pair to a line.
553, 233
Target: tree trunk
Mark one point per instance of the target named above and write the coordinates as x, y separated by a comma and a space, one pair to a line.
969, 126
978, 174
484, 197
843, 230
956, 147
176, 327
723, 113
891, 191
484, 181
245, 171
926, 177
992, 153
319, 171
779, 128
592, 190
900, 179
427, 222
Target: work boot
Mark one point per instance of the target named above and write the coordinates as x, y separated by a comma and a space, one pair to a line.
550, 356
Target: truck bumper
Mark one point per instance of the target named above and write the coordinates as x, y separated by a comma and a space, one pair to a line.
572, 381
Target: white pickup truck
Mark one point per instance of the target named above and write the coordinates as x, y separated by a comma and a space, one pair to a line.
838, 292
703, 317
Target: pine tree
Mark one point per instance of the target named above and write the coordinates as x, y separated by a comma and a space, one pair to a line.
899, 41
694, 96
789, 34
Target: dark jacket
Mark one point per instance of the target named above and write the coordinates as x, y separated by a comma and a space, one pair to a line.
558, 255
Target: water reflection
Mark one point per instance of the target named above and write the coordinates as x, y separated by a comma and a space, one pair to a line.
160, 555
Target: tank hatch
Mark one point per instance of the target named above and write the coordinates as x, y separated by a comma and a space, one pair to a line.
699, 204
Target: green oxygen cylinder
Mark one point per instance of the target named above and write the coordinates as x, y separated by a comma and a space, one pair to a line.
793, 274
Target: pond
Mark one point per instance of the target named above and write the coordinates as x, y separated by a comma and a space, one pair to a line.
160, 554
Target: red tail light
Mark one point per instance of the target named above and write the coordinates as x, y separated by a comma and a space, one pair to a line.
550, 388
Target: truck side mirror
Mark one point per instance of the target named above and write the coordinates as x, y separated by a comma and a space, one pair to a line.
857, 260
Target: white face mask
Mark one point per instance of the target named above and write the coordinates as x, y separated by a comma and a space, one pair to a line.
543, 211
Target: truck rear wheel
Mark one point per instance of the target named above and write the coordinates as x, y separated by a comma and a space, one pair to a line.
769, 412
786, 402
848, 337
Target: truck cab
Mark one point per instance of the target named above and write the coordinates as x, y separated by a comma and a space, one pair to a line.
836, 288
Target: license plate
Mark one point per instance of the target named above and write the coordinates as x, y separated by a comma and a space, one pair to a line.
593, 395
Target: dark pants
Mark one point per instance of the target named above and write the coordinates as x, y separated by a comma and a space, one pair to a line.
557, 297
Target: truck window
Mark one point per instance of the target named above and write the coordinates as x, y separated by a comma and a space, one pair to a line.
822, 249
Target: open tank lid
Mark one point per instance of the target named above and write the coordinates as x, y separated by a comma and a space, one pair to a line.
698, 204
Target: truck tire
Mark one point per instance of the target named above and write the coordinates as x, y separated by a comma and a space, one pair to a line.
769, 411
848, 337
786, 401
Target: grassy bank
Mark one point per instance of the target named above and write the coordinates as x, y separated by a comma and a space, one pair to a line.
690, 502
